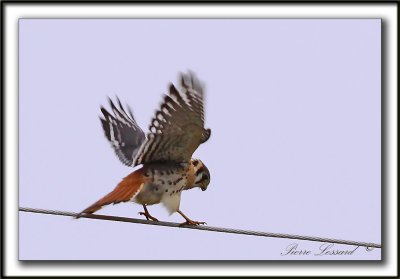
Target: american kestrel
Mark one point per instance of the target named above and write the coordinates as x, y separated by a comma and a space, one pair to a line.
163, 157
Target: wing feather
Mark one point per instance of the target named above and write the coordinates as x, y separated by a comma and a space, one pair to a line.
122, 131
177, 128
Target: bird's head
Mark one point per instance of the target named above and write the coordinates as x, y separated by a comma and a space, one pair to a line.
201, 174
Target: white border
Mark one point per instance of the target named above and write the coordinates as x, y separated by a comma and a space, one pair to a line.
13, 12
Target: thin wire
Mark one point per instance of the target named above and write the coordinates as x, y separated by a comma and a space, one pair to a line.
369, 246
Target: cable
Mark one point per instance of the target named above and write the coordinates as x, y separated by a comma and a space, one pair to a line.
368, 246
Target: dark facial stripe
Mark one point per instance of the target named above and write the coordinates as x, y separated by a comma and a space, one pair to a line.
203, 178
199, 171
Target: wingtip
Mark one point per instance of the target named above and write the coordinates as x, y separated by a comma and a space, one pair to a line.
190, 80
119, 103
110, 101
104, 111
130, 112
172, 89
182, 77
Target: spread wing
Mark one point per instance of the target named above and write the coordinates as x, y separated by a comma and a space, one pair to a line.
122, 131
178, 126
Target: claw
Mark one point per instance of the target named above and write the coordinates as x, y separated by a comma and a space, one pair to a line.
192, 223
147, 214
189, 222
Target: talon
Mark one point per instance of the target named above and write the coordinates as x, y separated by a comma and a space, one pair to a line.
192, 223
142, 213
188, 221
147, 214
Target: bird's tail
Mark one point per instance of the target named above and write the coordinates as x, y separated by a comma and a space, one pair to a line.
125, 191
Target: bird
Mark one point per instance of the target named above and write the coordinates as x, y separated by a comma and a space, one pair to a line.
162, 158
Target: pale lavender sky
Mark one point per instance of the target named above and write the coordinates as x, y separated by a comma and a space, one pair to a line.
294, 108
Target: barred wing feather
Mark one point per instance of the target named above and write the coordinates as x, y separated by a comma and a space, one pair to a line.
178, 126
122, 131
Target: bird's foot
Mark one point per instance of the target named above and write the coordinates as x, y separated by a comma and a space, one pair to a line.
148, 216
189, 222
192, 223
